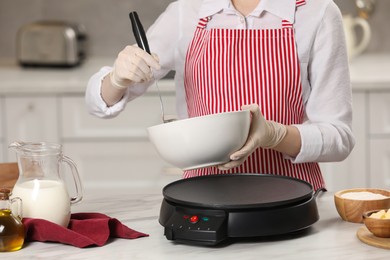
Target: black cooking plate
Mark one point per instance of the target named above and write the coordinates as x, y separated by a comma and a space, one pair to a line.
238, 191
207, 210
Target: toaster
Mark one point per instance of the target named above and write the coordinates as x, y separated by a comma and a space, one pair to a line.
51, 43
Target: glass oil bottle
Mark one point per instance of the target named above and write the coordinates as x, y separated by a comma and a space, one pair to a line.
11, 226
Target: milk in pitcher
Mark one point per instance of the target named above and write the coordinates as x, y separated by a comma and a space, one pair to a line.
44, 199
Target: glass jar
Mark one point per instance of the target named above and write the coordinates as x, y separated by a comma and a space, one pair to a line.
11, 226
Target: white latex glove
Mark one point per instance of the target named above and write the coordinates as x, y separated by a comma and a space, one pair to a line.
263, 133
133, 65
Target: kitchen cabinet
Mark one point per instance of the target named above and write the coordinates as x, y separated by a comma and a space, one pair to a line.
353, 171
379, 176
369, 163
115, 151
379, 139
78, 124
30, 118
116, 163
107, 151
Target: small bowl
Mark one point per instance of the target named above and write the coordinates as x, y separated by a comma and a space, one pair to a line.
201, 141
378, 227
352, 210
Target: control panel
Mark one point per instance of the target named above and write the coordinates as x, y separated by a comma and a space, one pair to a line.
197, 226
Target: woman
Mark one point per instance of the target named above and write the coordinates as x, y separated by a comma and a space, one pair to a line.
284, 60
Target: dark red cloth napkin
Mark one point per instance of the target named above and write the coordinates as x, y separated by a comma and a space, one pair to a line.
84, 229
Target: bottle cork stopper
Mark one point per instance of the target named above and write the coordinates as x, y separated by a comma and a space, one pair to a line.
4, 193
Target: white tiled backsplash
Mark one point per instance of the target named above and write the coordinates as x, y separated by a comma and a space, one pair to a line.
108, 25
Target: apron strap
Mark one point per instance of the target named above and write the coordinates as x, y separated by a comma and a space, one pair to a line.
287, 24
300, 3
203, 22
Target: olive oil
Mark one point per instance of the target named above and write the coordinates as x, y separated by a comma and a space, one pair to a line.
11, 226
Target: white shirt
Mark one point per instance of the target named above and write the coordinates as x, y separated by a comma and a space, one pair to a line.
326, 132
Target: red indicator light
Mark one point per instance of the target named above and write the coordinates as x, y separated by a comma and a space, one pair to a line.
194, 219
186, 217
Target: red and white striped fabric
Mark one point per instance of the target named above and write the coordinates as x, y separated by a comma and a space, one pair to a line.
228, 68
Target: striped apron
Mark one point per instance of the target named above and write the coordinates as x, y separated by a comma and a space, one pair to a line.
228, 68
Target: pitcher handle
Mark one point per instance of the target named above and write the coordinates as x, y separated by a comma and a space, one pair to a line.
366, 35
76, 179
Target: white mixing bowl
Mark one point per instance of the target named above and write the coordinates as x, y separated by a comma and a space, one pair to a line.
201, 141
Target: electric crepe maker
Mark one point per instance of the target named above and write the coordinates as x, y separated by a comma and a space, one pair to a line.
207, 210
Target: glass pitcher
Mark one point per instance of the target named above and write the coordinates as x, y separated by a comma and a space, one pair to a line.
40, 186
11, 226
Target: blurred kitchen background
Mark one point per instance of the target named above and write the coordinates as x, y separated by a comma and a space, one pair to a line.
47, 104
107, 22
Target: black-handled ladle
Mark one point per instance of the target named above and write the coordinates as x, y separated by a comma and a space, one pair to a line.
139, 32
142, 42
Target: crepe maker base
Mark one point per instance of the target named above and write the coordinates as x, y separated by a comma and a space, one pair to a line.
209, 209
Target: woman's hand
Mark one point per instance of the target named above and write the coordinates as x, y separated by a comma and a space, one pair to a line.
133, 65
262, 133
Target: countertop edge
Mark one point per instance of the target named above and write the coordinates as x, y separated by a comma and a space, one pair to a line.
368, 72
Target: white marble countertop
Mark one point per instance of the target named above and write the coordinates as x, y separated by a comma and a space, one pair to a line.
368, 72
329, 238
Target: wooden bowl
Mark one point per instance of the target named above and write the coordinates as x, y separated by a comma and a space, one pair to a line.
378, 227
352, 210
